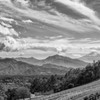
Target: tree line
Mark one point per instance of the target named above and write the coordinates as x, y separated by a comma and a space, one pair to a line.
73, 78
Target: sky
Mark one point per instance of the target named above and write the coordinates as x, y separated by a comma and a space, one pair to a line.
71, 29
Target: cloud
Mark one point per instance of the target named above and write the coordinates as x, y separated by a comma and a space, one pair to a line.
6, 19
81, 8
27, 21
17, 44
59, 45
8, 44
61, 20
6, 30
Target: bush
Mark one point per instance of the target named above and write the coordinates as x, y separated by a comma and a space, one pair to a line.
1, 98
92, 97
22, 93
19, 93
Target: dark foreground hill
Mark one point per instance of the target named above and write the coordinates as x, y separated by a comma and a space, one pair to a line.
10, 66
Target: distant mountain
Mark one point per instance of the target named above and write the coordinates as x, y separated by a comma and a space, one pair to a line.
91, 57
55, 60
30, 60
10, 66
64, 61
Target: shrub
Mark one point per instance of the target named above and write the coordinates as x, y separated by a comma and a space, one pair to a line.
22, 93
19, 93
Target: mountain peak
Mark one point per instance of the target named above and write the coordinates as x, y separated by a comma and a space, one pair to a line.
91, 57
64, 61
93, 54
56, 57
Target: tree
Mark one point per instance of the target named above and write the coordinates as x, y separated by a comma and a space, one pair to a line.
35, 85
11, 94
19, 93
85, 98
22, 93
51, 82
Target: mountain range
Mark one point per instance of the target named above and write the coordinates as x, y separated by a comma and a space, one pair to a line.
55, 64
55, 60
10, 66
30, 66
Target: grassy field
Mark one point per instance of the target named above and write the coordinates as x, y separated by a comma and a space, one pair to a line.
77, 93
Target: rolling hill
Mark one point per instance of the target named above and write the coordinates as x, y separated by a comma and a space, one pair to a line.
57, 60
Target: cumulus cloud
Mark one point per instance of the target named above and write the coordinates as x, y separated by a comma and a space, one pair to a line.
8, 44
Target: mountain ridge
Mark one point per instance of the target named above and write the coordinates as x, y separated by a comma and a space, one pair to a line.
55, 64
56, 60
10, 66
90, 57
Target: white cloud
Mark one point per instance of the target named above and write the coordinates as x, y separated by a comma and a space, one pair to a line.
62, 45
54, 44
5, 25
62, 20
18, 44
6, 19
23, 2
7, 31
27, 21
82, 9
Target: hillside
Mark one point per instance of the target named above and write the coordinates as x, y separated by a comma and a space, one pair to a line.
10, 66
77, 93
56, 60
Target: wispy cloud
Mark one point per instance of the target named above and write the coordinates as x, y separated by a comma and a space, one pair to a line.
62, 20
60, 44
81, 8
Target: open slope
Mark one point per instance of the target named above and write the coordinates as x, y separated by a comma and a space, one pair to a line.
74, 94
